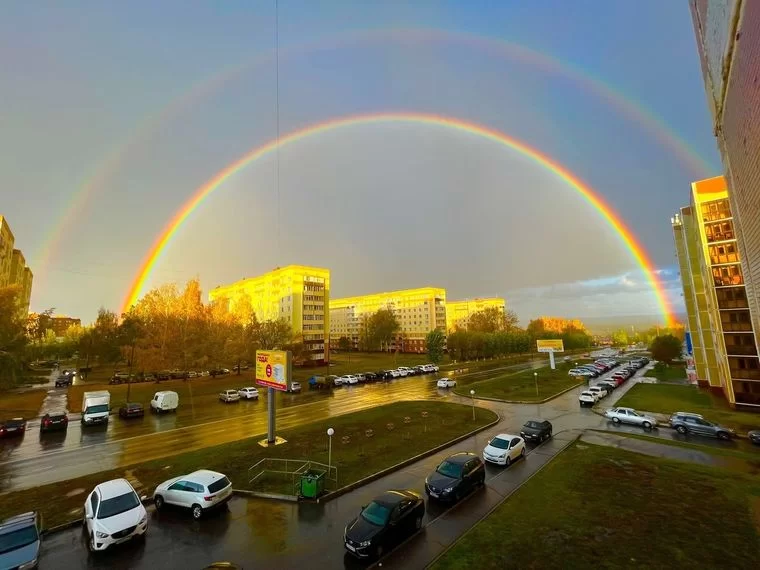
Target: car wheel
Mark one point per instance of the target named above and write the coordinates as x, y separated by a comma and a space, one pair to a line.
615, 420
508, 462
91, 543
647, 425
418, 523
522, 453
681, 429
197, 511
723, 435
159, 502
379, 552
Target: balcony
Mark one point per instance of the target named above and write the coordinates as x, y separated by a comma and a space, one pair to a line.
736, 327
744, 373
741, 350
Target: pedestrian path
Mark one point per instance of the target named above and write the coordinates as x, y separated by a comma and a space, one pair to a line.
56, 399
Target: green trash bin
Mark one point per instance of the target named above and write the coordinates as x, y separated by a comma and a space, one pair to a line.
312, 484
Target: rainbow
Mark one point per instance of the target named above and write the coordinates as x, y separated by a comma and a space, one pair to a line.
112, 163
611, 217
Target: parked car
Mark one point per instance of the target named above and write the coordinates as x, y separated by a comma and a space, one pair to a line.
608, 387
630, 416
597, 391
369, 376
198, 491
446, 383
249, 393
54, 421
113, 513
20, 541
13, 426
586, 398
754, 436
229, 396
385, 522
295, 387
455, 477
164, 401
684, 422
64, 380
131, 410
504, 449
536, 430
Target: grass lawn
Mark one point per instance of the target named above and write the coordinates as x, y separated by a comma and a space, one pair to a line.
668, 398
664, 373
640, 512
521, 386
21, 404
360, 457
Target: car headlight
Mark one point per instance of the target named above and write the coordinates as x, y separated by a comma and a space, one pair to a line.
365, 543
101, 534
502, 456
144, 518
29, 565
448, 489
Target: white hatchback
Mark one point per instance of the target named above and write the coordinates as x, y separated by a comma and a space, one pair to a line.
587, 398
113, 513
198, 491
446, 383
249, 393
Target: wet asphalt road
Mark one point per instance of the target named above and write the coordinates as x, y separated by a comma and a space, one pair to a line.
37, 459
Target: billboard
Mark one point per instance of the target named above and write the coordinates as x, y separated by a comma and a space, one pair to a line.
273, 369
689, 344
551, 345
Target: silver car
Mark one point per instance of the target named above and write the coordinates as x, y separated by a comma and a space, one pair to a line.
685, 422
630, 416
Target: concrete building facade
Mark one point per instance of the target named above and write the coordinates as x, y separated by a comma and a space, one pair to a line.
13, 268
458, 313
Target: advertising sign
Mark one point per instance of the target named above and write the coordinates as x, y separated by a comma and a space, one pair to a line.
689, 345
273, 369
552, 345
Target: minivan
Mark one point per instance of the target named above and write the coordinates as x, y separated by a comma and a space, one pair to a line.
164, 401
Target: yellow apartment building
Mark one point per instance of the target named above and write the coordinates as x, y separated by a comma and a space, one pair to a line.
418, 311
13, 268
725, 351
296, 293
458, 313
6, 252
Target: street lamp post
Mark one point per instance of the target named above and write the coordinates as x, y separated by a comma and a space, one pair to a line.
472, 395
535, 378
330, 432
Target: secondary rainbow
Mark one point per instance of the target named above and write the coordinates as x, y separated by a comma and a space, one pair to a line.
610, 216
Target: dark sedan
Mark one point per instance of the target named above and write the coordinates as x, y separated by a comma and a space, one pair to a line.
754, 436
131, 410
387, 521
15, 426
536, 430
63, 381
456, 476
54, 421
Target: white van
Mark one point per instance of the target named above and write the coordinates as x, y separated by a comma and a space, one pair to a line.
164, 401
96, 407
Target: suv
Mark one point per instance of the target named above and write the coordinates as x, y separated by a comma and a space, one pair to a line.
684, 422
20, 539
229, 396
63, 381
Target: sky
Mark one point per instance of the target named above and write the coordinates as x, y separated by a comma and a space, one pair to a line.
114, 113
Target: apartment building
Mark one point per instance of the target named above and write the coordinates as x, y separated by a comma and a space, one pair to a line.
59, 324
728, 40
458, 313
296, 293
715, 295
13, 268
418, 311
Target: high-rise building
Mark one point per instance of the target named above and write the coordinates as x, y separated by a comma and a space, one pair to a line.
728, 39
59, 324
418, 311
725, 350
298, 294
458, 313
13, 269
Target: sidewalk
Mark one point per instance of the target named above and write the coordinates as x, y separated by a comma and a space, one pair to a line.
444, 531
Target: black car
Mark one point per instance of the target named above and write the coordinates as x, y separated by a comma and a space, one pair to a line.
20, 540
369, 376
131, 410
382, 374
15, 426
390, 519
754, 436
54, 421
606, 386
63, 380
536, 430
456, 476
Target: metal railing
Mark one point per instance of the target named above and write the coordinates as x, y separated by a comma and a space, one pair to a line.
292, 469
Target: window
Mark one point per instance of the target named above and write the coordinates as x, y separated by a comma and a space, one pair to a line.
727, 275
94, 503
376, 513
719, 231
450, 469
716, 210
218, 485
118, 505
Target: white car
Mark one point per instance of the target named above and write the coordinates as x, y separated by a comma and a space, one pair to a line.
249, 393
351, 379
580, 372
394, 373
446, 383
229, 396
402, 372
198, 491
504, 448
596, 390
113, 513
295, 387
586, 398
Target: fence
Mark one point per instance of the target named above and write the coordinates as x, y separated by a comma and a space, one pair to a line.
284, 475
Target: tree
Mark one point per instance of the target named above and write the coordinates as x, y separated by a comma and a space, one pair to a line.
382, 327
435, 341
511, 321
13, 338
344, 344
271, 335
620, 338
38, 323
488, 320
666, 348
106, 343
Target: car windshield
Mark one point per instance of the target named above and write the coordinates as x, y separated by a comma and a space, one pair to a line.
450, 469
97, 409
218, 485
533, 425
376, 513
18, 539
499, 443
118, 505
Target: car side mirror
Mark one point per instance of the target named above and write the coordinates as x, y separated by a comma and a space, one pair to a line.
88, 516
363, 507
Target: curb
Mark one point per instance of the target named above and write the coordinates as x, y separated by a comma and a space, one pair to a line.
388, 470
557, 395
505, 498
262, 495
